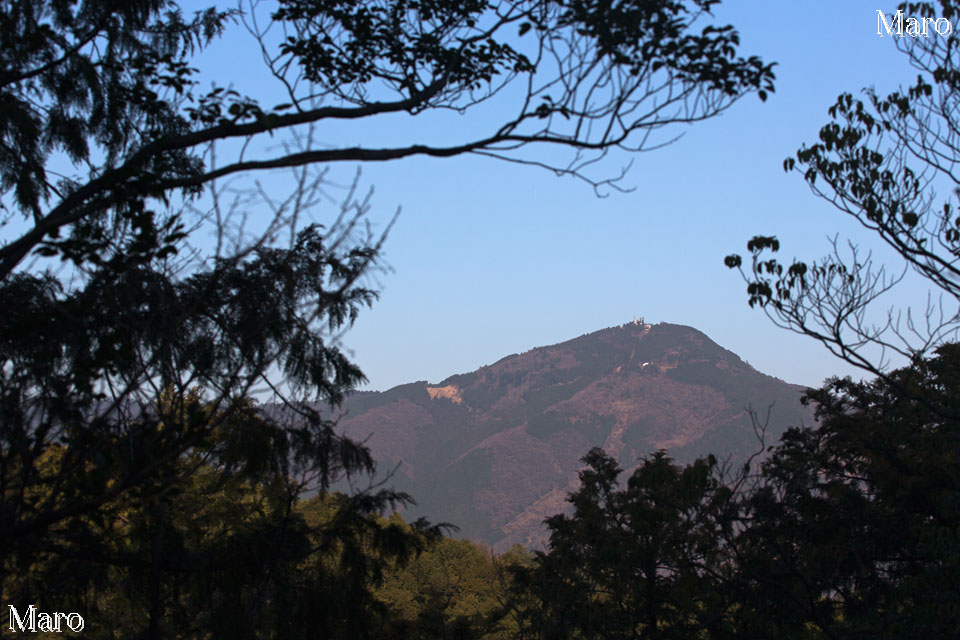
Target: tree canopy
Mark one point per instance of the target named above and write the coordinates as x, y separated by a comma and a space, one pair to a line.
852, 526
111, 86
131, 355
143, 483
889, 162
849, 529
642, 561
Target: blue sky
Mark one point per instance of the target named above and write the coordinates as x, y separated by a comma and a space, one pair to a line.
489, 258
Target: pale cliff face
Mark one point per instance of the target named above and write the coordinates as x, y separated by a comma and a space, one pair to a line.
450, 392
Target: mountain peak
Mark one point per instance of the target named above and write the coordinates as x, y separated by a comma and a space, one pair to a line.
496, 450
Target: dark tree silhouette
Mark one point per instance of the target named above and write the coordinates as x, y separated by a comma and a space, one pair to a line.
882, 160
852, 527
130, 369
643, 561
845, 530
110, 85
852, 530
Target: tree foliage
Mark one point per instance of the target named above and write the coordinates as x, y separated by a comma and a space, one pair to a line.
454, 589
132, 449
222, 554
644, 561
849, 529
854, 529
111, 86
889, 162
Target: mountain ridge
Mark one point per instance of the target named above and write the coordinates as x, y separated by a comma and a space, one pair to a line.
497, 449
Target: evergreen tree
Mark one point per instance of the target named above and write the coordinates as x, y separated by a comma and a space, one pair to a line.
855, 527
644, 561
128, 373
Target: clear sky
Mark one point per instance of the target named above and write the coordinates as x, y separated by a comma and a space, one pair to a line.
490, 259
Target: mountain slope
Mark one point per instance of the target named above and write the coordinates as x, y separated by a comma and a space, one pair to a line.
497, 450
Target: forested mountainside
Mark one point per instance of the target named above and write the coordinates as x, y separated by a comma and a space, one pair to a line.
497, 450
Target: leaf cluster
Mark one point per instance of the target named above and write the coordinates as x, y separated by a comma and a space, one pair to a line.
884, 161
848, 529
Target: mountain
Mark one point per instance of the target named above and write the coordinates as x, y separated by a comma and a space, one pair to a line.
497, 450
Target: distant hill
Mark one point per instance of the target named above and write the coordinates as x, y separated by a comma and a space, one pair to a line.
497, 450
